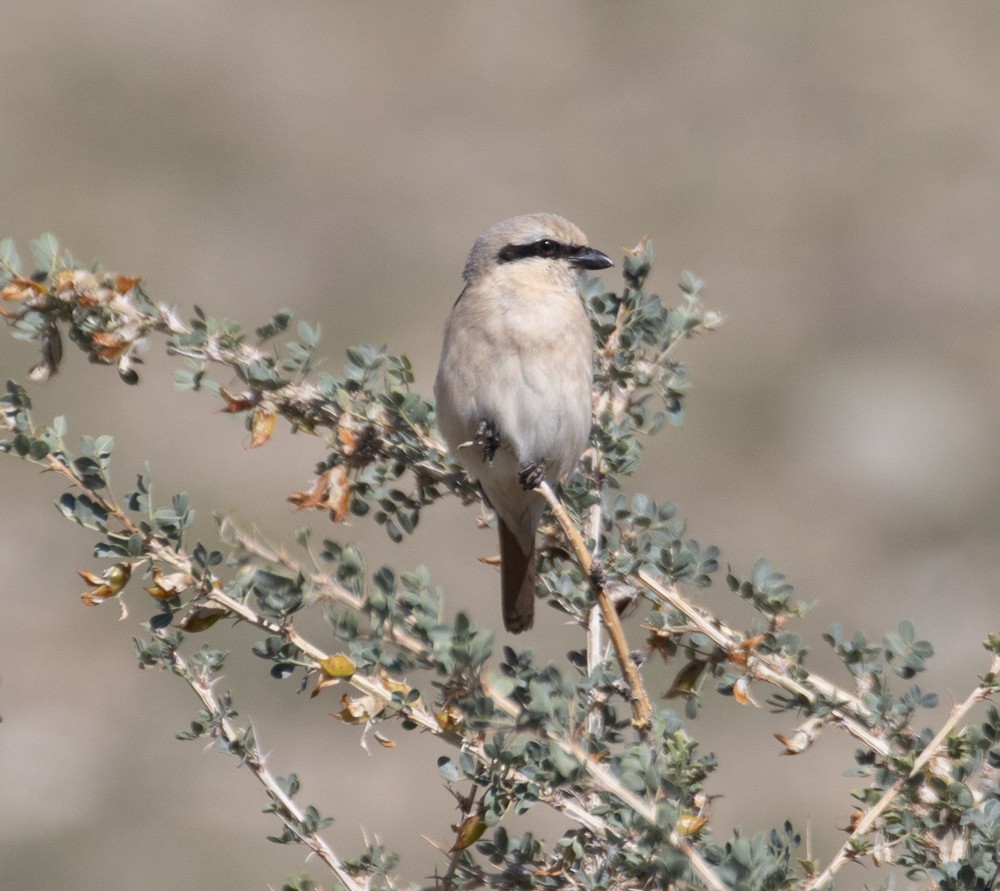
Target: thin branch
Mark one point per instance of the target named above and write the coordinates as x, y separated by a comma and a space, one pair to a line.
288, 810
595, 653
418, 715
847, 710
642, 710
611, 784
607, 780
865, 824
465, 803
595, 644
326, 584
367, 685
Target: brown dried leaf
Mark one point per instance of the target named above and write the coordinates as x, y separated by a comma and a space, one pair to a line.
262, 424
741, 691
95, 598
449, 720
469, 832
235, 404
339, 495
19, 289
65, 280
322, 683
740, 654
355, 711
125, 283
640, 248
394, 686
106, 585
348, 435
111, 343
331, 491
166, 587
315, 498
802, 738
201, 618
857, 815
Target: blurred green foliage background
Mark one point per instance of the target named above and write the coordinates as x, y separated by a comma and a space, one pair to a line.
830, 170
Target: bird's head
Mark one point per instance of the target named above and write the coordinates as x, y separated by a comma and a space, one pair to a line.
537, 248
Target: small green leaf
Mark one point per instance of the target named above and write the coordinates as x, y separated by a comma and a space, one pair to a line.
9, 259
45, 252
277, 324
448, 769
308, 334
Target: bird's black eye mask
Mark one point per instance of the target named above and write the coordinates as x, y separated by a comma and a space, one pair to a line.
546, 247
578, 255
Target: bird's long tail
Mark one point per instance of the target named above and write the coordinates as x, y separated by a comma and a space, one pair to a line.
517, 581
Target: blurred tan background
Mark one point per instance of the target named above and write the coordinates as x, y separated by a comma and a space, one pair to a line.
831, 171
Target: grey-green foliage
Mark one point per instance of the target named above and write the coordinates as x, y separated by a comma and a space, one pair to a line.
518, 733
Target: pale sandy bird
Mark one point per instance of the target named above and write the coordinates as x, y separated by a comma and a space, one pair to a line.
513, 387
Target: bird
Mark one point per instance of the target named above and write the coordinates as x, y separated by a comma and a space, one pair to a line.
514, 384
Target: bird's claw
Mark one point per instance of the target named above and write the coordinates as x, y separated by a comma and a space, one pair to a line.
487, 438
531, 475
599, 574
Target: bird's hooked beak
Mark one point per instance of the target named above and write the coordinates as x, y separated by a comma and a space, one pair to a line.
591, 258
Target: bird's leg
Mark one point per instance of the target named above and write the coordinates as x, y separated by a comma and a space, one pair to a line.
487, 437
531, 474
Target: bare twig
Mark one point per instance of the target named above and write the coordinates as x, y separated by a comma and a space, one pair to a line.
595, 643
465, 804
287, 809
642, 710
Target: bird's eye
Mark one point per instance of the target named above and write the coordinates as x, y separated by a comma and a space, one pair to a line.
547, 247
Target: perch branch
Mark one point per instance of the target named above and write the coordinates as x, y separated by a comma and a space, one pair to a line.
642, 711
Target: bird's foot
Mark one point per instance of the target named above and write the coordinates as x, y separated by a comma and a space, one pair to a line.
599, 574
487, 438
531, 475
